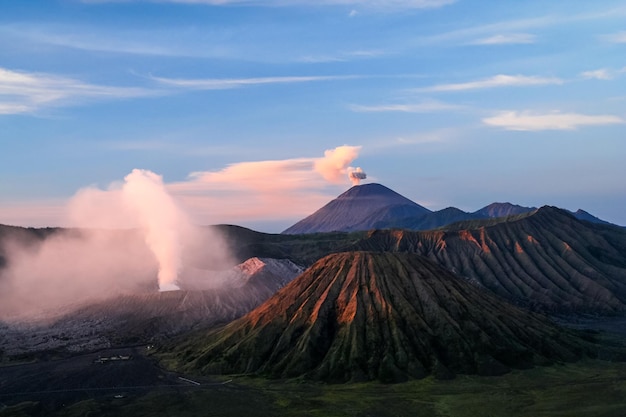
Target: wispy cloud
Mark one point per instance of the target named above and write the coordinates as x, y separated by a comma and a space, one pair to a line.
604, 74
524, 24
344, 56
599, 74
375, 4
530, 121
494, 82
227, 83
506, 39
422, 107
619, 37
23, 92
166, 42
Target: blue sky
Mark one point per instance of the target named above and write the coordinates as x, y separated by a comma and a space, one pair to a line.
451, 103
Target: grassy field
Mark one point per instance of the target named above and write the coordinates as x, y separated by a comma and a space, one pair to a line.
588, 388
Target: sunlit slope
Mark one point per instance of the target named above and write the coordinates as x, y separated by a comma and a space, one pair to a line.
379, 316
546, 259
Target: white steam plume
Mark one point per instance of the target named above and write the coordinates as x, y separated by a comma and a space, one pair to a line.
356, 175
334, 165
123, 238
160, 219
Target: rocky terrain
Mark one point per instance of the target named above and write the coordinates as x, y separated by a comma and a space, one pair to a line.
546, 259
151, 316
359, 316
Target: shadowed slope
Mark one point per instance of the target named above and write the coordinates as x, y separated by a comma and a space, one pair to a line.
365, 316
359, 208
206, 298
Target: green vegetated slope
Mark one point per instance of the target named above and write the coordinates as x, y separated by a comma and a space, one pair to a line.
360, 316
546, 260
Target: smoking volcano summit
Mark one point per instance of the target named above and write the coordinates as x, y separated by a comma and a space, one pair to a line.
359, 208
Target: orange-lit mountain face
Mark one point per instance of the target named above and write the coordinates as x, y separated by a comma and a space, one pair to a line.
359, 316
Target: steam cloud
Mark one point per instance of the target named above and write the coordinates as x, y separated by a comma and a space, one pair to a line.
356, 175
160, 219
134, 232
335, 163
126, 237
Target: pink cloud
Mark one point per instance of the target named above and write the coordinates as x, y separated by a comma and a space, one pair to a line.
266, 190
39, 213
241, 193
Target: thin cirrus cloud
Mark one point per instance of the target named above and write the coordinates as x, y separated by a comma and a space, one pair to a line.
599, 74
619, 37
27, 92
265, 190
228, 83
506, 39
496, 81
530, 121
486, 31
422, 107
375, 4
343, 56
604, 74
24, 92
163, 42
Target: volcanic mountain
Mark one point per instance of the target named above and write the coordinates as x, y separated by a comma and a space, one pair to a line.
546, 259
358, 316
374, 206
359, 208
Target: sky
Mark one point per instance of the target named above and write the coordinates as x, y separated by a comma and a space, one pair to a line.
254, 112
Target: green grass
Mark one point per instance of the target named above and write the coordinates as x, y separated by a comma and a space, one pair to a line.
584, 389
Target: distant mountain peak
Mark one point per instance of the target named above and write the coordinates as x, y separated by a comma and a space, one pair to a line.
359, 208
503, 210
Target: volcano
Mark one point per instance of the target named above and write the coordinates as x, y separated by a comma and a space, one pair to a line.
358, 316
546, 260
359, 208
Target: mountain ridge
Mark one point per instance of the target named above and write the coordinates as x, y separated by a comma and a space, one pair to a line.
546, 260
374, 206
358, 316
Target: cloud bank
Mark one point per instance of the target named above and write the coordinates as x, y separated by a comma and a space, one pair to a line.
266, 190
